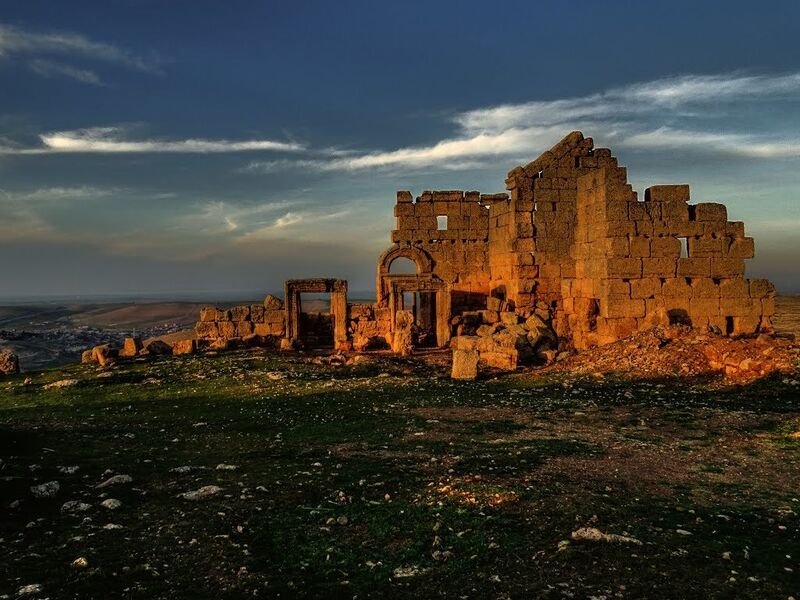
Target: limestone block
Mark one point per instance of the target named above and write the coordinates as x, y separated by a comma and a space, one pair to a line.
647, 287
768, 306
223, 314
208, 313
465, 364
493, 303
710, 211
675, 211
274, 316
227, 329
640, 247
465, 342
616, 287
617, 246
184, 347
704, 288
667, 193
694, 267
637, 211
504, 359
738, 307
727, 267
706, 247
703, 307
624, 267
244, 328
257, 313
240, 313
404, 197
205, 330
402, 211
665, 247
622, 307
157, 348
676, 287
734, 228
489, 316
742, 248
132, 346
659, 267
734, 288
509, 317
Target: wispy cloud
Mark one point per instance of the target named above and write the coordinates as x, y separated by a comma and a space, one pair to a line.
17, 42
637, 116
113, 140
51, 69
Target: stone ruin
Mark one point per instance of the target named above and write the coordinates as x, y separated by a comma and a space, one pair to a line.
569, 258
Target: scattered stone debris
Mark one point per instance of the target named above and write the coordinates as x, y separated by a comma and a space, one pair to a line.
592, 534
30, 589
201, 494
682, 351
75, 506
406, 572
111, 503
46, 490
225, 467
62, 383
114, 480
80, 562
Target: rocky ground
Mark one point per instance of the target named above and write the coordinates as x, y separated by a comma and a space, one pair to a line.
263, 475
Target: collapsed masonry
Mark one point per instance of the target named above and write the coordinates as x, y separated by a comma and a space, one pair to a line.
570, 244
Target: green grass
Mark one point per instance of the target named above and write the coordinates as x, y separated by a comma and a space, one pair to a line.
348, 478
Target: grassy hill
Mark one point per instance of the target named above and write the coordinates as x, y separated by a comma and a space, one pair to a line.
388, 480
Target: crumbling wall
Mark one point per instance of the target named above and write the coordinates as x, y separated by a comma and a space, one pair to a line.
658, 262
254, 324
458, 252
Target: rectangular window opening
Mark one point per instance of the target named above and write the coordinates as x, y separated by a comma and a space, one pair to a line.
441, 222
684, 247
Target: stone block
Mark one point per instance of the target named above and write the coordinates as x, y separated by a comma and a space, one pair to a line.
465, 364
704, 288
9, 363
617, 307
272, 303
727, 267
274, 316
133, 345
694, 267
244, 328
676, 287
734, 288
205, 330
184, 347
738, 307
624, 267
223, 314
240, 313
208, 314
742, 248
227, 329
706, 247
710, 211
257, 313
665, 247
667, 193
640, 247
647, 287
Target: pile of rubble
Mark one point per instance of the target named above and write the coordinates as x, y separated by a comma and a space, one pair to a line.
503, 340
681, 351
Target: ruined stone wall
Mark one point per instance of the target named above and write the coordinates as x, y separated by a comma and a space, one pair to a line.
255, 324
631, 272
543, 220
459, 252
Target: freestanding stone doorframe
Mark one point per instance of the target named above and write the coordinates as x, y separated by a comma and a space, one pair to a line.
337, 288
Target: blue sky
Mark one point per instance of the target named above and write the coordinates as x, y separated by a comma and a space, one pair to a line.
203, 146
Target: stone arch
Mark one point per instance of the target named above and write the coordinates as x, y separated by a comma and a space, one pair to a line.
421, 258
